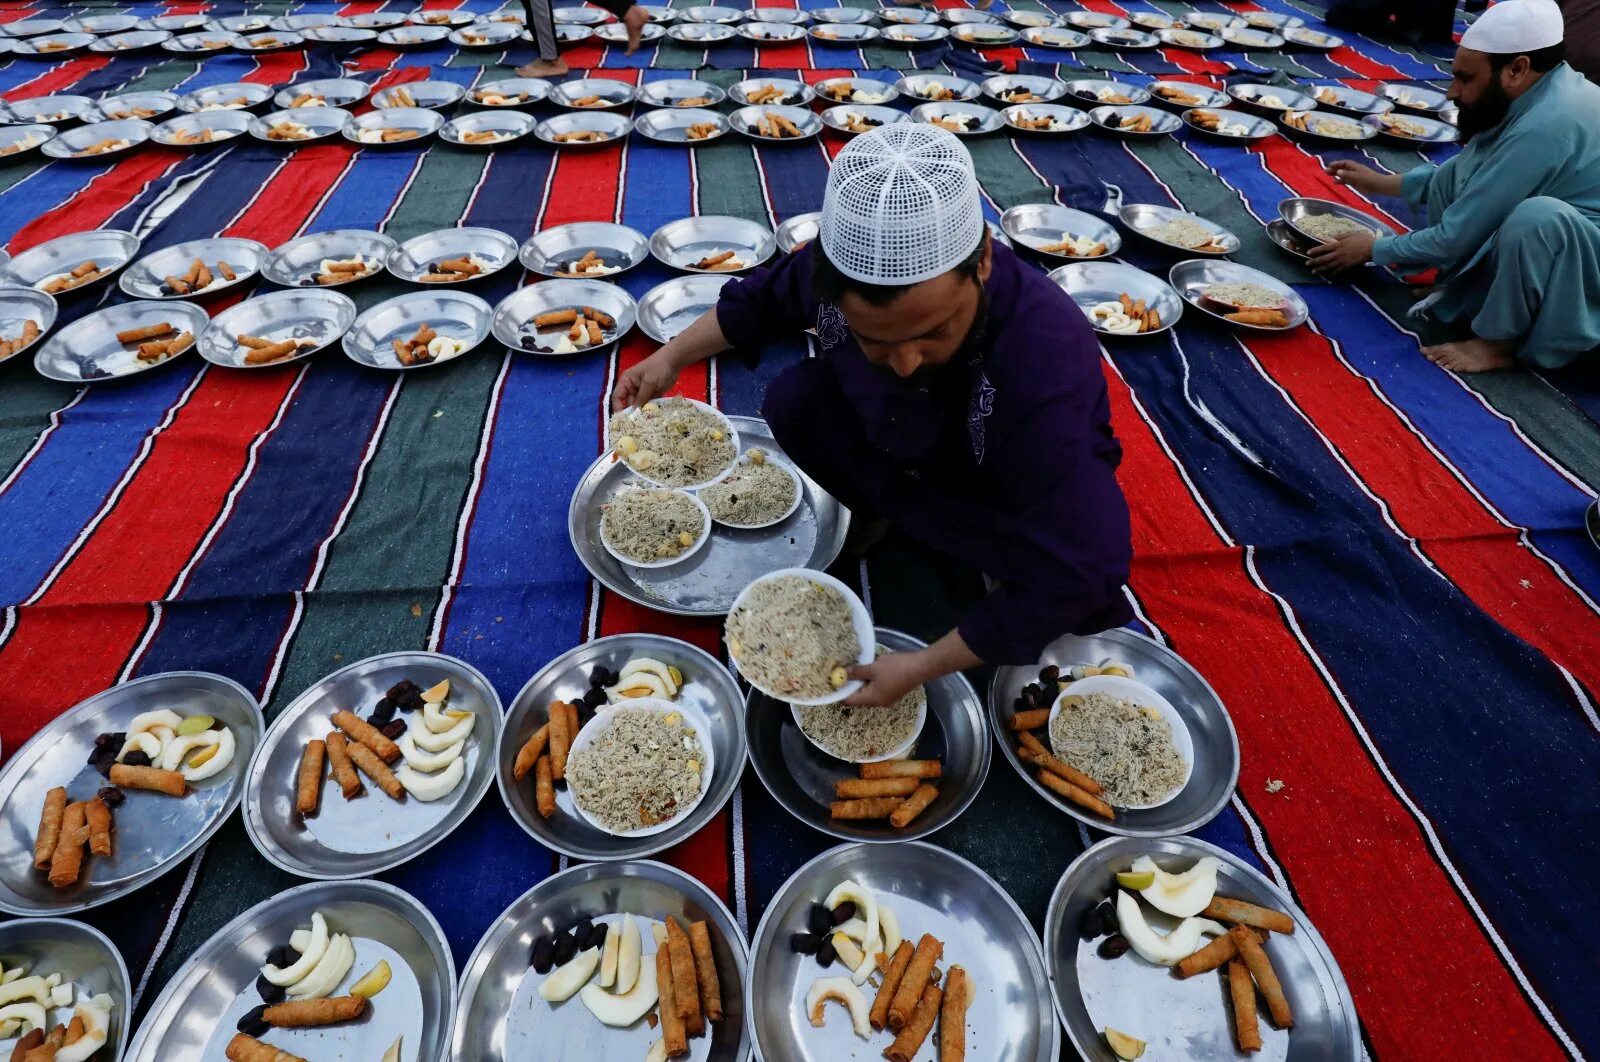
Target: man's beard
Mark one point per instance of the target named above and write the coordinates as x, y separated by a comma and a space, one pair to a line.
1490, 110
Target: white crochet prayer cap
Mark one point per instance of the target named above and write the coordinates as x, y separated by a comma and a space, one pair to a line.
901, 205
1515, 27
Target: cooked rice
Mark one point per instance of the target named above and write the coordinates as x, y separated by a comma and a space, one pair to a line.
648, 525
1183, 232
794, 636
642, 769
1330, 227
1244, 295
673, 441
862, 733
1338, 127
1127, 749
755, 492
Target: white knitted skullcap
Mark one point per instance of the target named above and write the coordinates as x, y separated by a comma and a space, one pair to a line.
1515, 27
901, 205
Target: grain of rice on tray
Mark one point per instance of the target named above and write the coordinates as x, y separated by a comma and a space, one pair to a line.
1244, 295
673, 441
755, 492
1184, 232
1126, 748
648, 525
642, 768
1330, 227
794, 636
859, 733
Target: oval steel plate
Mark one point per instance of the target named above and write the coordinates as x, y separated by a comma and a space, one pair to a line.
316, 316
154, 832
708, 686
370, 833
673, 305
1192, 277
707, 586
87, 350
932, 891
1188, 1018
1216, 746
196, 1014
84, 957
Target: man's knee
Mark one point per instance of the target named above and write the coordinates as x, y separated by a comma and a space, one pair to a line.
1543, 218
801, 396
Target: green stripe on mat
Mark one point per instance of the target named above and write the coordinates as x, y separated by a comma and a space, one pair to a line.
26, 402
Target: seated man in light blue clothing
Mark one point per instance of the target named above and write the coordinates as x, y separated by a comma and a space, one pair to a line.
1513, 222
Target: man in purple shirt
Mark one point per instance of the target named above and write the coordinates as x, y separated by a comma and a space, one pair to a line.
955, 391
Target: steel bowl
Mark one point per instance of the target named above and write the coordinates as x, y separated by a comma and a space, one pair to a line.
1209, 98
334, 92
659, 14
612, 93
567, 36
801, 776
848, 16
1295, 210
617, 33
1316, 40
413, 36
1194, 40
456, 314
1162, 123
271, 41
201, 43
746, 120
1129, 39
909, 16
440, 17
671, 126
1249, 96
708, 691
320, 122
931, 891
582, 15
296, 263
848, 33
1093, 282
241, 24
1314, 134
532, 89
1191, 279
670, 307
726, 16
222, 125
500, 1013
983, 119
31, 27
376, 20
1002, 87
1418, 98
128, 43
1093, 20
915, 35
1432, 132
316, 317
339, 35
87, 350
196, 1014
513, 317
486, 35
681, 243
1210, 21
298, 23
551, 251
226, 97
110, 249
798, 230
1187, 1018
422, 121
1346, 100
672, 92
17, 141
1058, 37
1037, 225
53, 45
72, 143
86, 960
101, 25
510, 124
1070, 118
58, 110
19, 306
1141, 218
795, 93
146, 278
428, 95
1280, 233
701, 33
1271, 20
847, 89
149, 106
608, 125
792, 16
1253, 128
154, 833
918, 86
1085, 93
1029, 19
417, 256
962, 16
1153, 20
354, 838
836, 118
175, 23
1252, 39
984, 35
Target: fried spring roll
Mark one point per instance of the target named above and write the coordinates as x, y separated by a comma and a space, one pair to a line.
344, 772
1255, 957
1044, 758
1213, 955
372, 765
67, 860
227, 271
915, 804
560, 740
135, 335
605, 319
75, 1031
367, 734
578, 332
244, 1048
858, 788
893, 970
917, 1026
596, 336
308, 783
1077, 796
98, 817
192, 277
457, 265
271, 352
1269, 318
705, 969
902, 769
1225, 910
1246, 1028
573, 724
712, 260
672, 1028
300, 1013
544, 788
83, 269
531, 750
555, 317
27, 1044
177, 284
151, 778
253, 342
953, 1016
44, 845
685, 985
871, 808
906, 997
179, 343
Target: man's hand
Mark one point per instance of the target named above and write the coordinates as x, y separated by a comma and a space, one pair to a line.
888, 678
634, 20
648, 379
1341, 254
1364, 179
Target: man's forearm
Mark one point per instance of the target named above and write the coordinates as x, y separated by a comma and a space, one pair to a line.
947, 656
701, 340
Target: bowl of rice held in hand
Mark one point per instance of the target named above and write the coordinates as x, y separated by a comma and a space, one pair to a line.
1125, 736
794, 634
866, 734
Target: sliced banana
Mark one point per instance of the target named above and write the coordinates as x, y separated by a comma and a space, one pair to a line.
620, 1011
336, 961
165, 717
640, 684
393, 1054
428, 761
439, 719
309, 955
650, 665
178, 749
866, 903
27, 1013
439, 740
427, 787
628, 959
199, 772
143, 742
608, 955
564, 982
889, 925
33, 988
843, 990
658, 1051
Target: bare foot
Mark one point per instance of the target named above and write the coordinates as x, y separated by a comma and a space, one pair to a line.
1472, 355
543, 68
634, 19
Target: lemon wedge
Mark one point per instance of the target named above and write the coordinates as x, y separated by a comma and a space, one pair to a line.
1136, 879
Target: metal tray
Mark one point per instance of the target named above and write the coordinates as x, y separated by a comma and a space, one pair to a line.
221, 97
671, 125
547, 251
673, 305
350, 838
500, 1014
707, 586
1144, 217
514, 314
87, 350
154, 833
84, 958
932, 891
1091, 281
1191, 1018
19, 305
70, 142
457, 314
317, 314
295, 263
1191, 278
1032, 225
1295, 210
144, 278
1216, 746
708, 686
196, 1014
222, 125
801, 776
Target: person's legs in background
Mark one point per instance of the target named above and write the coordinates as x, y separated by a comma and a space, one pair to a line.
542, 28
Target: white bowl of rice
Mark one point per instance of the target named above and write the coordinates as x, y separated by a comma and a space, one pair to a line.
624, 768
752, 494
644, 527
1103, 739
865, 735
793, 633
674, 442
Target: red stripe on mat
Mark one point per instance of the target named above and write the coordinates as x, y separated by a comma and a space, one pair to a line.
1299, 170
59, 79
296, 189
98, 200
1339, 831
277, 68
